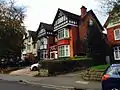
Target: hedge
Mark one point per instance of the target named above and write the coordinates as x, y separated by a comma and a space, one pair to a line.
62, 66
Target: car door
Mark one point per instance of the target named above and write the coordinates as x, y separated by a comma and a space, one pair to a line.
114, 79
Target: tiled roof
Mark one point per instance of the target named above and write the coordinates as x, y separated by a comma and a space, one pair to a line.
46, 26
32, 34
94, 16
71, 15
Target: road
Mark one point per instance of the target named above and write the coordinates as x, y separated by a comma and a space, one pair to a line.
8, 85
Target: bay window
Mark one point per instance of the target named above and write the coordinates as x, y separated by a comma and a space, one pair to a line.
64, 51
43, 43
63, 33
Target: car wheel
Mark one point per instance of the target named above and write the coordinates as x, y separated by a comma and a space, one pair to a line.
34, 69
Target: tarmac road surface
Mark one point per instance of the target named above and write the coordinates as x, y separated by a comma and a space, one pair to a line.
8, 85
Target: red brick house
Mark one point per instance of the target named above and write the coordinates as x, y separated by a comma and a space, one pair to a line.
73, 34
113, 35
93, 42
66, 28
72, 31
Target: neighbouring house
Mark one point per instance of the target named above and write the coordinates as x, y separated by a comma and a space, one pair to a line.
45, 39
72, 35
30, 45
113, 35
93, 41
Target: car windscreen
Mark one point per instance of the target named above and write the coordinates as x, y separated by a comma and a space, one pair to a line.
113, 70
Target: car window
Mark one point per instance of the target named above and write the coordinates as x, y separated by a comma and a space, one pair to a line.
113, 71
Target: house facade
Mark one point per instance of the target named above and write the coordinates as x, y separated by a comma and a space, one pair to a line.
72, 34
65, 25
92, 39
45, 38
30, 45
113, 35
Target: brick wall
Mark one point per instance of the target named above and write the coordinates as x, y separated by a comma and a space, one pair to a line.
110, 35
74, 39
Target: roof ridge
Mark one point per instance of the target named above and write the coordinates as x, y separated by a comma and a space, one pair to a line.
67, 11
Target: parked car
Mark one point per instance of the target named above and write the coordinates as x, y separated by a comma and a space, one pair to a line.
35, 67
111, 78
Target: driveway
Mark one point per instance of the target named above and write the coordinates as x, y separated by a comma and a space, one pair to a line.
24, 72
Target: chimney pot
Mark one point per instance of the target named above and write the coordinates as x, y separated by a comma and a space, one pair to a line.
83, 11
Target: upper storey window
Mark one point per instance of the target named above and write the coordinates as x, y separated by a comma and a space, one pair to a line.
63, 33
117, 34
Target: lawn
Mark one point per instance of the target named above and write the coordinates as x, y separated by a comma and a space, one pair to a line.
100, 67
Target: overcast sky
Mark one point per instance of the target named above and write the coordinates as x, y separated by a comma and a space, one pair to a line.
45, 10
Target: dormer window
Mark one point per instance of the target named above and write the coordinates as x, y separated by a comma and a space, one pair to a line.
117, 34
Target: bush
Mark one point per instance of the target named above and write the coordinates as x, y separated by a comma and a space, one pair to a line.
63, 66
81, 58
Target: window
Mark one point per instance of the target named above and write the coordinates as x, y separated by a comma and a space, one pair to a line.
113, 70
63, 33
28, 48
117, 52
117, 34
43, 43
64, 51
44, 54
52, 55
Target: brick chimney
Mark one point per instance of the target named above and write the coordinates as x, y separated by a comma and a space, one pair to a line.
83, 11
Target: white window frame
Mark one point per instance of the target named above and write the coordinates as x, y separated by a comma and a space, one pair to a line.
43, 43
65, 32
116, 52
117, 37
64, 51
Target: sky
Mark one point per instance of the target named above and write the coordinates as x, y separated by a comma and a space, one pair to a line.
45, 10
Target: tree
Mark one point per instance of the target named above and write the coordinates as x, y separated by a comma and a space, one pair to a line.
11, 28
111, 7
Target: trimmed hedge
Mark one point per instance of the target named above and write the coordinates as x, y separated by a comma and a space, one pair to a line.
55, 67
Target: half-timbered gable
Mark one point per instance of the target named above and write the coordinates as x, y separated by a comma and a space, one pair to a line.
44, 30
64, 18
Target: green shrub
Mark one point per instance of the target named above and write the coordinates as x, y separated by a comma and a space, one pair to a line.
80, 58
64, 66
64, 58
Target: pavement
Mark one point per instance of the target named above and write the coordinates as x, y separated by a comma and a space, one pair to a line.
25, 71
69, 82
